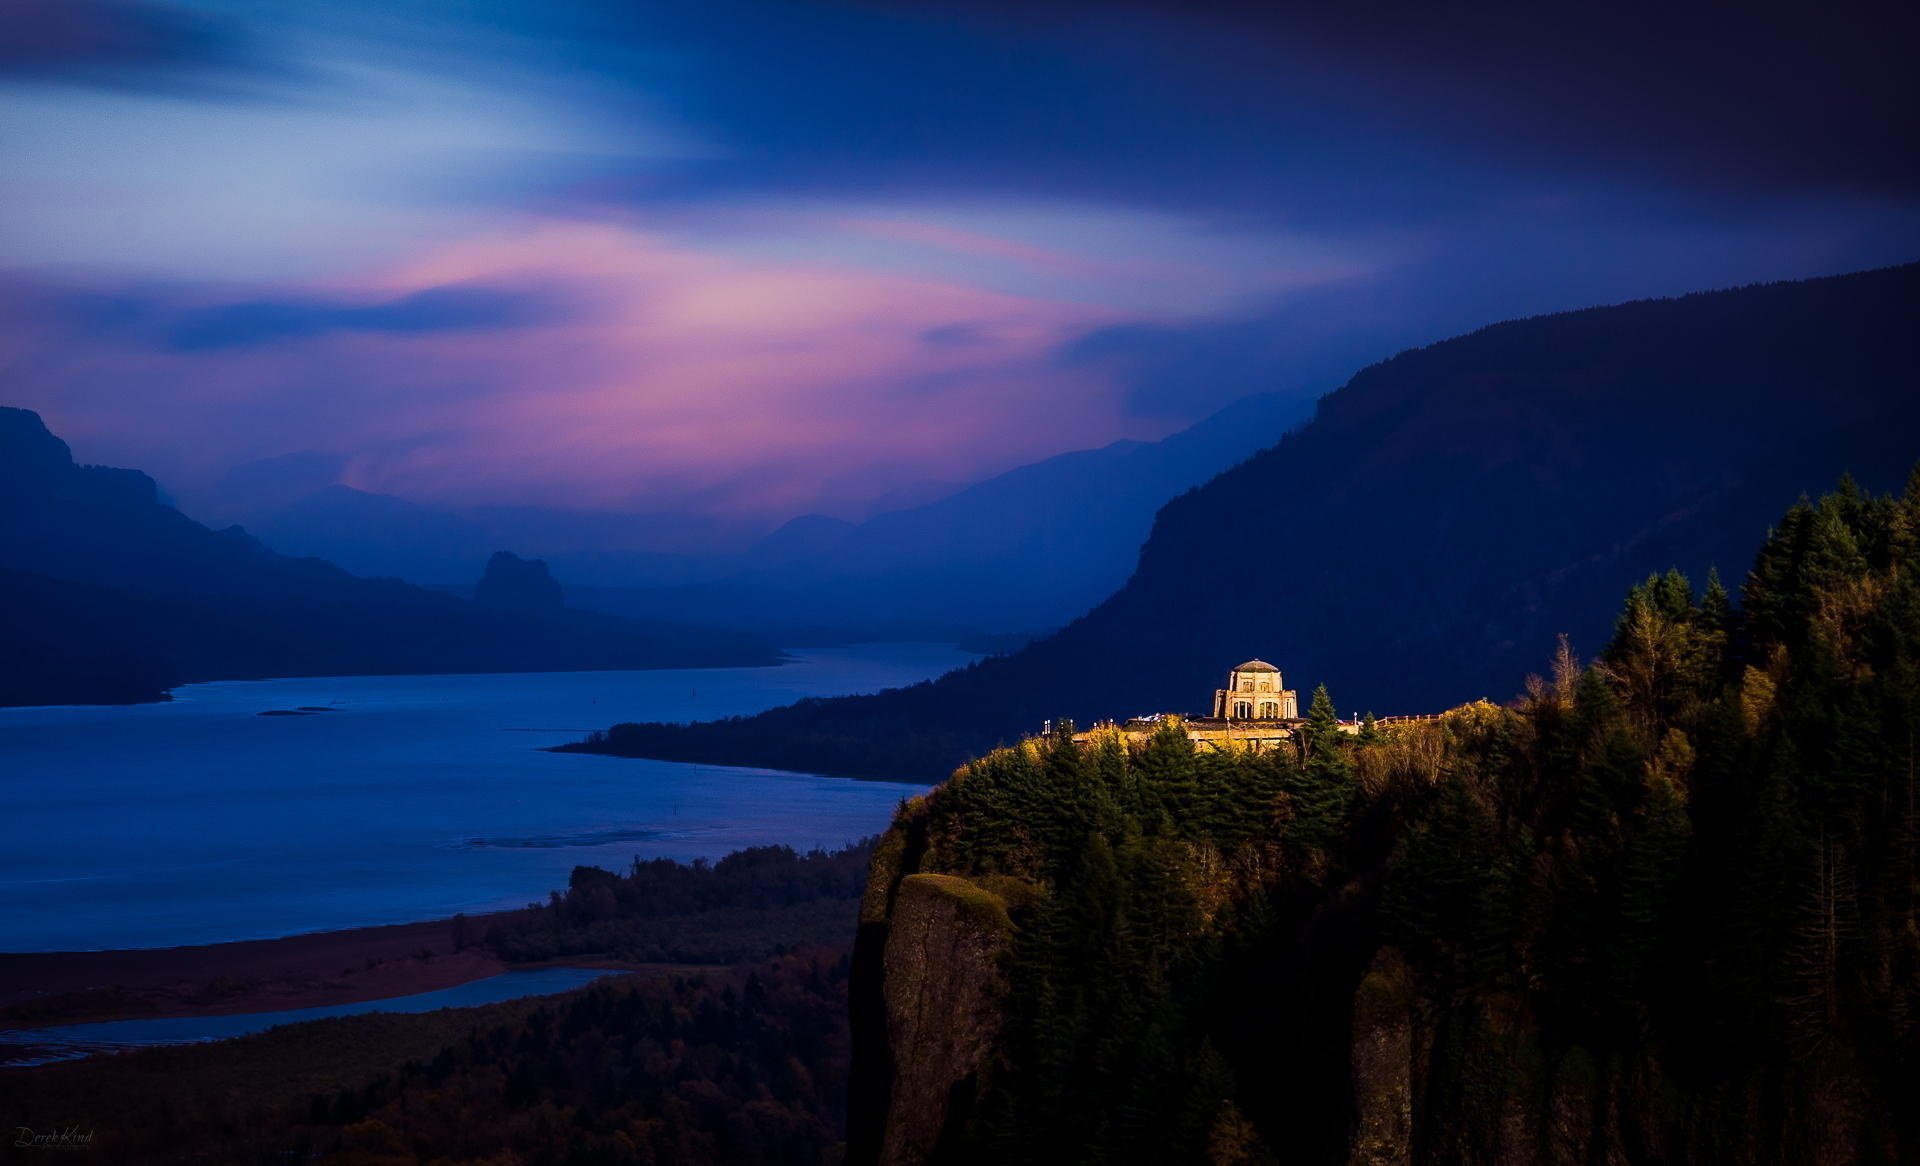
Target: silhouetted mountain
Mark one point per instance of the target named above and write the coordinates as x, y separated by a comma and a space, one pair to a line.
512, 583
798, 539
73, 643
375, 534
1447, 513
1020, 552
112, 596
1027, 549
268, 483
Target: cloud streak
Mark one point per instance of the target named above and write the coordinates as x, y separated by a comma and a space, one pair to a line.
674, 379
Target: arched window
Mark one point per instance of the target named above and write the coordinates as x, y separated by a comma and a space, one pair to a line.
1243, 709
1269, 710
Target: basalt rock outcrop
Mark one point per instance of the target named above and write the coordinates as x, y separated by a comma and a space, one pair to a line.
929, 998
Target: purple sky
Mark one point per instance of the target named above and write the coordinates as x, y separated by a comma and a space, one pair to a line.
758, 259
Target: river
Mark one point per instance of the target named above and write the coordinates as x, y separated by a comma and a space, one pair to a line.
411, 797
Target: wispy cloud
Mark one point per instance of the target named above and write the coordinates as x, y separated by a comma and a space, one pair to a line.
673, 377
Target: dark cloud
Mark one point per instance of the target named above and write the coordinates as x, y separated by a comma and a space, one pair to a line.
176, 320
443, 309
1807, 97
118, 43
1350, 112
1501, 266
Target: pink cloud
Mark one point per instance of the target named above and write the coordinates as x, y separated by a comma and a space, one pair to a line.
674, 378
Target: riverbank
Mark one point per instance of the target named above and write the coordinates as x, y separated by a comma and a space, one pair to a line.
38, 989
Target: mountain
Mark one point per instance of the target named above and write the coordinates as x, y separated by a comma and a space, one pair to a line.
1661, 909
512, 583
1446, 515
374, 534
1020, 552
108, 594
1024, 550
802, 538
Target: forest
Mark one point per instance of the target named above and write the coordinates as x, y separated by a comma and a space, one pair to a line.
752, 903
1661, 907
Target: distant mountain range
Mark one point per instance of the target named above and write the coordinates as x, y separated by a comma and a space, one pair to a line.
109, 594
1025, 550
1446, 515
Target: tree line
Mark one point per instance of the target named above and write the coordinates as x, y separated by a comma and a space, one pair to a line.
1662, 905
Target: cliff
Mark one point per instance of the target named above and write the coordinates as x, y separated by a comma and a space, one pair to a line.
942, 994
1663, 907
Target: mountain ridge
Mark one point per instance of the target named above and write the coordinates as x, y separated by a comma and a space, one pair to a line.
109, 595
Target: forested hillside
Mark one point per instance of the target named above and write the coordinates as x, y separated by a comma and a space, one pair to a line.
1444, 517
1663, 907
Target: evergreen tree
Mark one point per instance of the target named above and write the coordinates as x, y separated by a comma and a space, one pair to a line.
1323, 790
1674, 897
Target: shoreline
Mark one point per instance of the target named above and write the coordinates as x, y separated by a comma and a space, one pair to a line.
780, 659
316, 969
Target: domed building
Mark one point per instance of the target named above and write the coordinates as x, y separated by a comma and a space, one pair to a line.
1255, 692
1254, 711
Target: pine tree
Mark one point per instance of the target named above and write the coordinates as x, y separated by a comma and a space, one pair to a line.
1323, 792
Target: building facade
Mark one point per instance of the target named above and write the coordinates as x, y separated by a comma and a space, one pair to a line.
1255, 692
1254, 711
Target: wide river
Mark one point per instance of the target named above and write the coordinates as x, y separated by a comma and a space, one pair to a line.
413, 797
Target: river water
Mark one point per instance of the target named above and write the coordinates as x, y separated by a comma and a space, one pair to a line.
24, 1048
411, 797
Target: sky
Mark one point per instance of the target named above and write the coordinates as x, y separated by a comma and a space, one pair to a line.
749, 260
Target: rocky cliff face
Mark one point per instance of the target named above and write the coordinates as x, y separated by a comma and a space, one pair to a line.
929, 995
943, 993
1383, 1065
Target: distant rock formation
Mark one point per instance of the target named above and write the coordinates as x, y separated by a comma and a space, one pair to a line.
512, 583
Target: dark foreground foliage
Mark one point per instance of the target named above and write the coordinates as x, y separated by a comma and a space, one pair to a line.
745, 1062
750, 904
741, 1066
1665, 907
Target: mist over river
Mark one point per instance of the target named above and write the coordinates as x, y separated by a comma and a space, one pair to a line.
409, 797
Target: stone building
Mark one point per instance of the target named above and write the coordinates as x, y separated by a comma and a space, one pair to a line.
1255, 692
1254, 711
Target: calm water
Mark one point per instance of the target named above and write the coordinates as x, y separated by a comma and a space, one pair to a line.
199, 820
40, 1046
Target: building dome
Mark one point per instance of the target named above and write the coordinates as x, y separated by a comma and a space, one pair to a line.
1255, 692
